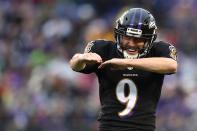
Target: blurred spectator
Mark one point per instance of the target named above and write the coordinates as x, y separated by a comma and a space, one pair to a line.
39, 91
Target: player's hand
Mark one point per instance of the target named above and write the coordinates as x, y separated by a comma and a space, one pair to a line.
116, 64
91, 58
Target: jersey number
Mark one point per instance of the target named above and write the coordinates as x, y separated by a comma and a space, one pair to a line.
130, 99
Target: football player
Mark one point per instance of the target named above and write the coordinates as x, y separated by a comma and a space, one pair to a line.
130, 72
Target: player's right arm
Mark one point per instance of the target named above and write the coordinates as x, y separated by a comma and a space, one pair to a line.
80, 61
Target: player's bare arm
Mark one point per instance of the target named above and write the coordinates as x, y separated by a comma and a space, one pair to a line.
79, 61
157, 64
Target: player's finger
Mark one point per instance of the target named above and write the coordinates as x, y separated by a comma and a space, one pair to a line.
92, 58
100, 66
104, 64
93, 55
97, 57
92, 61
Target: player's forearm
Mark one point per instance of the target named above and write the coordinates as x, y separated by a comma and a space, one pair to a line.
77, 63
157, 65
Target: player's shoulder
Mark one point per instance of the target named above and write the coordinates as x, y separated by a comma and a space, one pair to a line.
103, 42
163, 49
99, 44
159, 45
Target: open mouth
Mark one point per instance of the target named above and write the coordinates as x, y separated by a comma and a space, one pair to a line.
132, 51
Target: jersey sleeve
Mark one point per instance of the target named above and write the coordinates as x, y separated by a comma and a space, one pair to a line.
165, 50
91, 47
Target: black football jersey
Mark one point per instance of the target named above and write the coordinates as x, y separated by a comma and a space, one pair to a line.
128, 97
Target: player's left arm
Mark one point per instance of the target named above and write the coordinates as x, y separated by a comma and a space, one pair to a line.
164, 61
160, 65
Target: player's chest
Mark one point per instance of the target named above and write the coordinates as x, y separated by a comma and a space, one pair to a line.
137, 76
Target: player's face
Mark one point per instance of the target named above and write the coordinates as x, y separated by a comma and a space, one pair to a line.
132, 45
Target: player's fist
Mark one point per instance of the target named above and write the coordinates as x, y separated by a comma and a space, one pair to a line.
91, 58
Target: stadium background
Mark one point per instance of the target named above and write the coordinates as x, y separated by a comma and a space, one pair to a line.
38, 90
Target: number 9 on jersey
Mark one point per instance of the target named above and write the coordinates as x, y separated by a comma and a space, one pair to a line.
128, 100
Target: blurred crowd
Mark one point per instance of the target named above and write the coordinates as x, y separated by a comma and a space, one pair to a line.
39, 91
